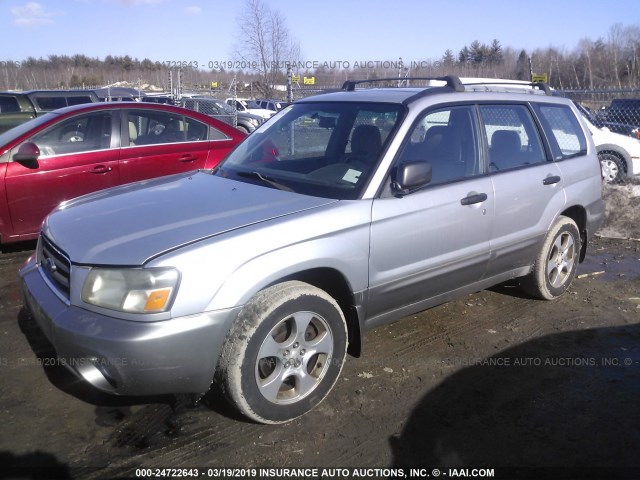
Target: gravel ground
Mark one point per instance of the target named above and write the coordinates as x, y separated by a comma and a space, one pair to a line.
492, 380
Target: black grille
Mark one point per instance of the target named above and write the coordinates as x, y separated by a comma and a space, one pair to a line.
55, 265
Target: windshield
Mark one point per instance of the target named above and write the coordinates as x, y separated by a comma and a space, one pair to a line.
228, 109
251, 104
322, 149
23, 128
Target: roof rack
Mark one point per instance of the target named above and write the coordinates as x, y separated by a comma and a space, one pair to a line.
513, 83
450, 81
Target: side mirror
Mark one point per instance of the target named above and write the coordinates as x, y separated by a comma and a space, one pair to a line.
27, 155
411, 176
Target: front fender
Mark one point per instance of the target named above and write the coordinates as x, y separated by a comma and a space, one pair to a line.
346, 252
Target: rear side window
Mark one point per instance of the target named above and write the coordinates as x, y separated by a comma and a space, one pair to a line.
81, 99
512, 137
150, 127
53, 103
50, 103
9, 105
564, 130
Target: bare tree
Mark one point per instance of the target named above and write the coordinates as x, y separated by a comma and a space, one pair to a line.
265, 45
586, 47
615, 47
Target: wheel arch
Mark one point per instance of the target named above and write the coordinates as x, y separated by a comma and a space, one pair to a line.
334, 283
578, 214
335, 280
244, 127
618, 152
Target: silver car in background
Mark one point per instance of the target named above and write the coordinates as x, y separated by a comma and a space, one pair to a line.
346, 211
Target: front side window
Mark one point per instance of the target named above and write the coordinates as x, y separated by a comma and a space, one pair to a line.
322, 149
447, 140
512, 137
83, 133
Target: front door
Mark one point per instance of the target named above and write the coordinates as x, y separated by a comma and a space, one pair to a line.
76, 158
434, 240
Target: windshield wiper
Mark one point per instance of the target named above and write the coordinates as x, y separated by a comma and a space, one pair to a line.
264, 179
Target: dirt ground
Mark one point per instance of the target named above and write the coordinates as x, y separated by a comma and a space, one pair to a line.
493, 380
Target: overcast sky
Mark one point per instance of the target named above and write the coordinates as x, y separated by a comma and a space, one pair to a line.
203, 31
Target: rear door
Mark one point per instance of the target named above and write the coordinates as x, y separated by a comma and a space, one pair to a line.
79, 155
528, 185
158, 143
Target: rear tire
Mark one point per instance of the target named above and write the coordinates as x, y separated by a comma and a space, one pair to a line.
555, 266
284, 353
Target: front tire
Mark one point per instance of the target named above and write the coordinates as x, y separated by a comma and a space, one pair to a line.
556, 264
284, 353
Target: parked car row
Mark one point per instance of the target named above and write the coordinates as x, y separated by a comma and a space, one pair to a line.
18, 107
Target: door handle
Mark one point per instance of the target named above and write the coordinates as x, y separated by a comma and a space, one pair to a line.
473, 199
187, 158
100, 169
551, 180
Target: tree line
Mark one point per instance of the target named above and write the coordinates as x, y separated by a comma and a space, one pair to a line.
604, 63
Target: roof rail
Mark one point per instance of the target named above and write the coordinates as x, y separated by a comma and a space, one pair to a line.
543, 86
450, 81
513, 83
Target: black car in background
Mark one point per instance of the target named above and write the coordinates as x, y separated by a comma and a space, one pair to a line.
621, 116
18, 107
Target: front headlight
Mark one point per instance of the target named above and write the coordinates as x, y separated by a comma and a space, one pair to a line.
144, 290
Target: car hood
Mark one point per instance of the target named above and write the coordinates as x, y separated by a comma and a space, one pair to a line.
132, 224
602, 136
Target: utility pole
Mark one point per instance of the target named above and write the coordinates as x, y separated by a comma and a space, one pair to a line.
530, 69
234, 95
289, 83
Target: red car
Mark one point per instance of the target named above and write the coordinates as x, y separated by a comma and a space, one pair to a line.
84, 148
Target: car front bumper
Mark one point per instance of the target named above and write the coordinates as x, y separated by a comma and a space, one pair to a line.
128, 357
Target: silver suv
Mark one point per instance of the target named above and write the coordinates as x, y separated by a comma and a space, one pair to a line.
345, 211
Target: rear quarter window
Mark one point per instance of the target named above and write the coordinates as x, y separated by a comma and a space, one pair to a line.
563, 130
